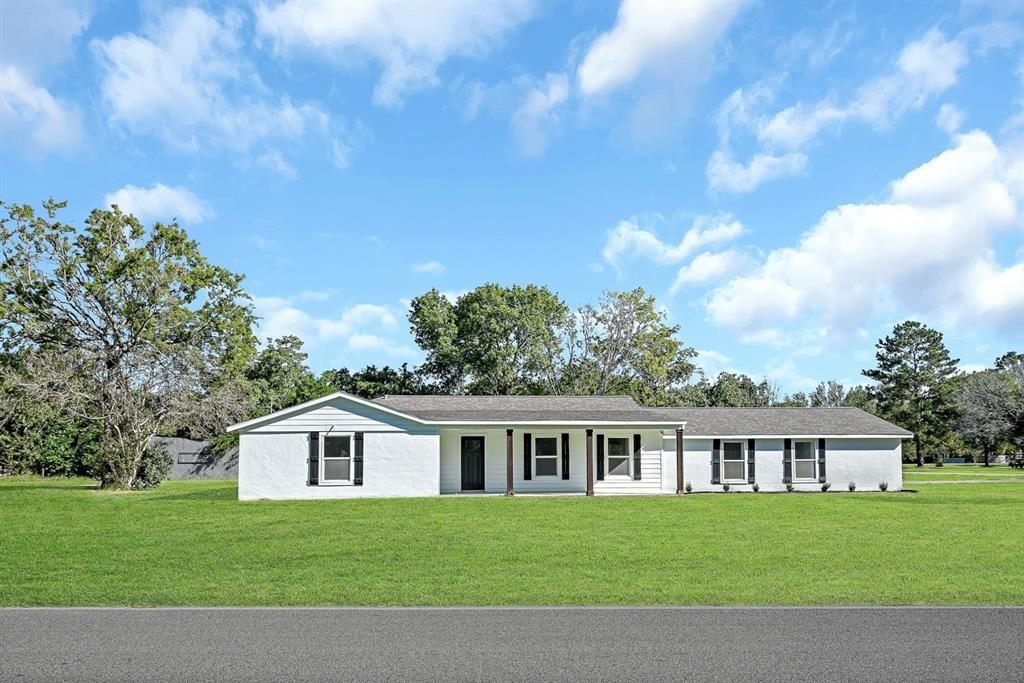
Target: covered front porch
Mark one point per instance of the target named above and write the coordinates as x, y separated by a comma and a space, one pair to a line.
561, 459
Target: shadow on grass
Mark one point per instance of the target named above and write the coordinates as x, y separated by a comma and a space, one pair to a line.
35, 486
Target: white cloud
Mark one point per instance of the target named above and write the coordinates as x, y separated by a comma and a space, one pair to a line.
161, 203
535, 108
375, 343
731, 176
314, 295
708, 267
39, 35
949, 118
926, 250
185, 80
711, 362
432, 267
32, 118
819, 48
538, 116
665, 40
410, 40
628, 238
924, 69
273, 161
280, 316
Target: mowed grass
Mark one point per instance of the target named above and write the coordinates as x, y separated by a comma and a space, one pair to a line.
192, 543
964, 472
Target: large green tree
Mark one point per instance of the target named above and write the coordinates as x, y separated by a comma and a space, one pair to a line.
491, 340
828, 395
373, 381
131, 329
914, 374
279, 378
623, 345
733, 390
1011, 364
984, 399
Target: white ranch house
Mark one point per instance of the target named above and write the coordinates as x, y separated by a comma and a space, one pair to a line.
343, 446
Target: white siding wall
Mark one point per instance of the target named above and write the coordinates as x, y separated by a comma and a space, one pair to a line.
866, 462
495, 461
274, 466
343, 416
400, 457
650, 465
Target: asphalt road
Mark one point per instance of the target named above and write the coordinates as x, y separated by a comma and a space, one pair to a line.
552, 644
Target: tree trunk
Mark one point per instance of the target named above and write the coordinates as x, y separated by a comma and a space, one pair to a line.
917, 450
985, 452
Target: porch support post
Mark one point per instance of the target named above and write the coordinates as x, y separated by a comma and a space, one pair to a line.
680, 480
590, 462
508, 462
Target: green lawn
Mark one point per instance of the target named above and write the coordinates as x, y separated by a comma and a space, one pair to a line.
956, 472
192, 543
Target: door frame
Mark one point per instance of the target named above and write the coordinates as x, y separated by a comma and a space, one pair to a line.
483, 461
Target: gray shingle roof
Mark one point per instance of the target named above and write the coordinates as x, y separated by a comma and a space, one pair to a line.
700, 421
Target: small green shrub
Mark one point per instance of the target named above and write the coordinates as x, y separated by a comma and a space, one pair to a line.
689, 487
725, 487
883, 486
789, 486
756, 487
825, 487
153, 468
852, 486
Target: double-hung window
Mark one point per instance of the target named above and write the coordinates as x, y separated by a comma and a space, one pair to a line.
804, 461
336, 463
619, 459
734, 462
545, 456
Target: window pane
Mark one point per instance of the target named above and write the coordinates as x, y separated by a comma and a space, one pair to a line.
804, 450
805, 469
733, 470
618, 446
732, 451
547, 445
337, 469
546, 467
337, 446
618, 465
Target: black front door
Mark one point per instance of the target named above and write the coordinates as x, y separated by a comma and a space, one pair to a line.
472, 463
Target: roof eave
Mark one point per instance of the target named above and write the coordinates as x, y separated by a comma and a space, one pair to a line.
323, 400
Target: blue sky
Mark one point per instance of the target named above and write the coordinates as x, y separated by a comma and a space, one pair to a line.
789, 180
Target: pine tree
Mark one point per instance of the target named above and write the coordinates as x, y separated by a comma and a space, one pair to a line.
914, 374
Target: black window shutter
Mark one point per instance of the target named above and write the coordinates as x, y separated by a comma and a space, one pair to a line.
313, 476
716, 461
565, 456
751, 443
600, 457
636, 457
527, 459
821, 460
787, 461
357, 461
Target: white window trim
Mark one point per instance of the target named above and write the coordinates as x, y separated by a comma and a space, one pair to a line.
746, 465
607, 454
351, 459
814, 460
558, 455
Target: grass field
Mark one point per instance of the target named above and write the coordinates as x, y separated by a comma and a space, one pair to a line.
192, 543
968, 472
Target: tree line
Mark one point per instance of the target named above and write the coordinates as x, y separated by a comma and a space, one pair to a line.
113, 333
